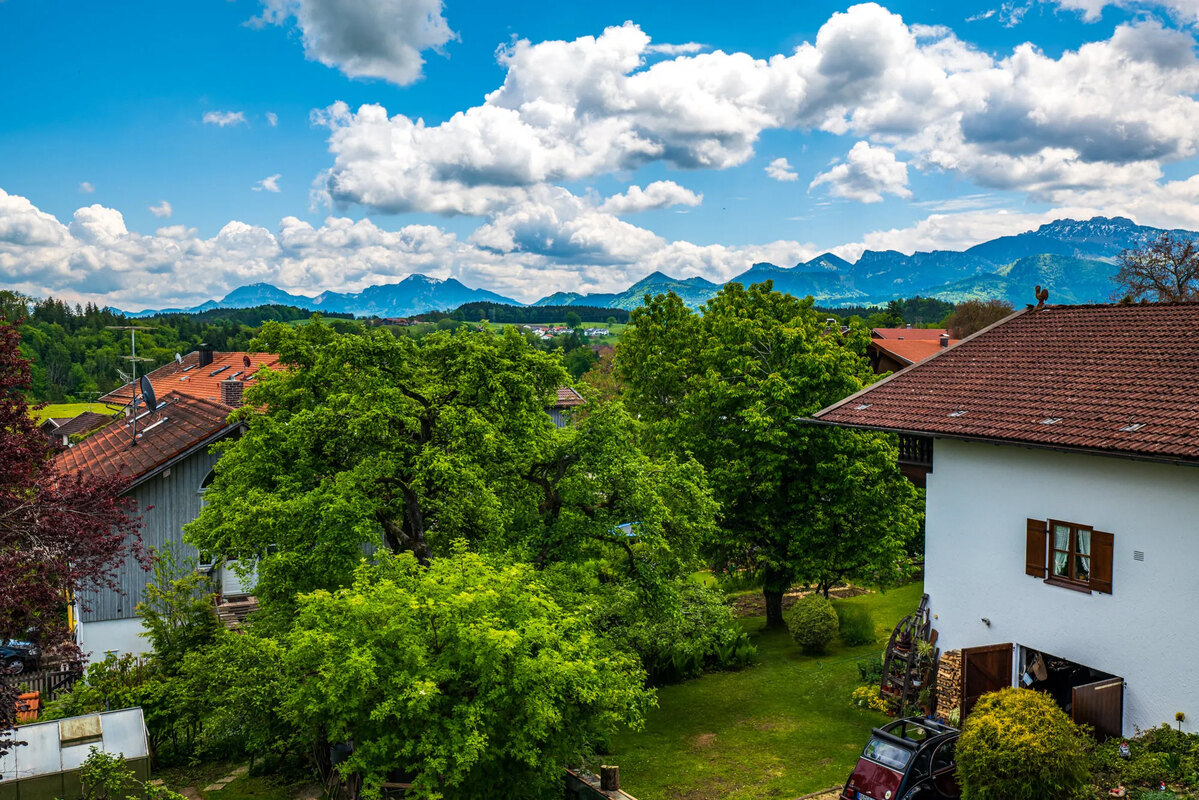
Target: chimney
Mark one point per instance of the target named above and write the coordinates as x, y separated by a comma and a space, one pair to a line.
205, 355
231, 390
945, 340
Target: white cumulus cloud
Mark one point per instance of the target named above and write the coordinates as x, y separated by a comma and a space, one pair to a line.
163, 209
659, 194
268, 184
866, 175
1108, 115
86, 188
1186, 11
365, 38
780, 169
224, 118
554, 241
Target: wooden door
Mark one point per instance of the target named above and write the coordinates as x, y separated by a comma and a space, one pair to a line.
1100, 705
984, 669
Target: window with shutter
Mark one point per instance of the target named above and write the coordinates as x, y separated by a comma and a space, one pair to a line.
1069, 554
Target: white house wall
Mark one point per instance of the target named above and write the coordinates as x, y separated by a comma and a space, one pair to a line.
116, 636
1147, 631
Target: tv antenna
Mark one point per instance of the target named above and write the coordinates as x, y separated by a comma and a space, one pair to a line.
144, 384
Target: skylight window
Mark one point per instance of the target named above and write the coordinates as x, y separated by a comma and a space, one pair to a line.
959, 413
218, 370
862, 406
1135, 426
1051, 420
189, 369
234, 375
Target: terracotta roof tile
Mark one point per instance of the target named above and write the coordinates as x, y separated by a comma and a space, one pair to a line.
180, 423
1117, 378
87, 421
568, 397
909, 351
193, 380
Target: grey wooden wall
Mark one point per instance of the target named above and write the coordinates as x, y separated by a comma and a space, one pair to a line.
176, 501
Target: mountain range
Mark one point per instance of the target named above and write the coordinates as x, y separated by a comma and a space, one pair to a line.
1074, 259
415, 294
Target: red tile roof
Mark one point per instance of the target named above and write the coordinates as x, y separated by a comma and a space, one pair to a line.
180, 423
909, 351
907, 333
193, 380
1120, 379
568, 397
86, 421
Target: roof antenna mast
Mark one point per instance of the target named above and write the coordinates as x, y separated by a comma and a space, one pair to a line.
146, 387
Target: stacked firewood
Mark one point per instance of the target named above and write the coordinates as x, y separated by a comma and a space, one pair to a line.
949, 682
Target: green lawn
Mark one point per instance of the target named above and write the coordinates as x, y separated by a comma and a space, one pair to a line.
72, 410
779, 729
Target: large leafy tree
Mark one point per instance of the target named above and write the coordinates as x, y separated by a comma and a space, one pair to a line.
59, 534
365, 440
971, 316
733, 387
466, 676
596, 493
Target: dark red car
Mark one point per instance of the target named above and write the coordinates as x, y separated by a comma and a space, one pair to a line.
908, 759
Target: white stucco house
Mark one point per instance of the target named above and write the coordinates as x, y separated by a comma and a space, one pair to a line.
1060, 452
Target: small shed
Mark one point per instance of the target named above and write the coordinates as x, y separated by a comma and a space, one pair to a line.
47, 766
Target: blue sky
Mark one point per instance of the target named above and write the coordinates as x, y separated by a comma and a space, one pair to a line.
566, 146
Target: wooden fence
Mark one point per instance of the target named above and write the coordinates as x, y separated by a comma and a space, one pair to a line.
49, 682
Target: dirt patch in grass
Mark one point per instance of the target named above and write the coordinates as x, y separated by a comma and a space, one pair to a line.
753, 604
703, 740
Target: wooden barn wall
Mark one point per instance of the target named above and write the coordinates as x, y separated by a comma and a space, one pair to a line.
175, 500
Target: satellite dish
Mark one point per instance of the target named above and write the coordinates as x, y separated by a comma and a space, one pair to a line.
178, 359
148, 393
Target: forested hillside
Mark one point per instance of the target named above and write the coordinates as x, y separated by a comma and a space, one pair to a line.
76, 355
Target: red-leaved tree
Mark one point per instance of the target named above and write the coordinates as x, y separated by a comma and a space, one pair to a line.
59, 534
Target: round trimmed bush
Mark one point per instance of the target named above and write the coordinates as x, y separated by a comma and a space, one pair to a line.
1018, 744
813, 623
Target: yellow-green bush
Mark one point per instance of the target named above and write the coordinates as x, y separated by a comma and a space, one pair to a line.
868, 697
1018, 745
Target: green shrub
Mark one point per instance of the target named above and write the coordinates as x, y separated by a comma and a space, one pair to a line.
870, 670
1157, 754
855, 623
1019, 745
813, 623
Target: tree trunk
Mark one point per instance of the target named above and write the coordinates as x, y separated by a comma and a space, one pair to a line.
775, 584
774, 607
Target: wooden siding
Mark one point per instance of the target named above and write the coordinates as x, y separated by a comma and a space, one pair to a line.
172, 501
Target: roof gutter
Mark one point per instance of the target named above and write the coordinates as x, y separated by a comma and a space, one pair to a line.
1061, 448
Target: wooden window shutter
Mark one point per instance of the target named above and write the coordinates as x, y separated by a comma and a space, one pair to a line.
1035, 548
1102, 547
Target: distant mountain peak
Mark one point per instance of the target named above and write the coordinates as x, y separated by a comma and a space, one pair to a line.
1075, 259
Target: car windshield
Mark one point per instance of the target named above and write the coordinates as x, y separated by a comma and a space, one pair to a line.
887, 754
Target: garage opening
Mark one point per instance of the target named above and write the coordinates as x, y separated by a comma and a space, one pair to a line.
1090, 696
